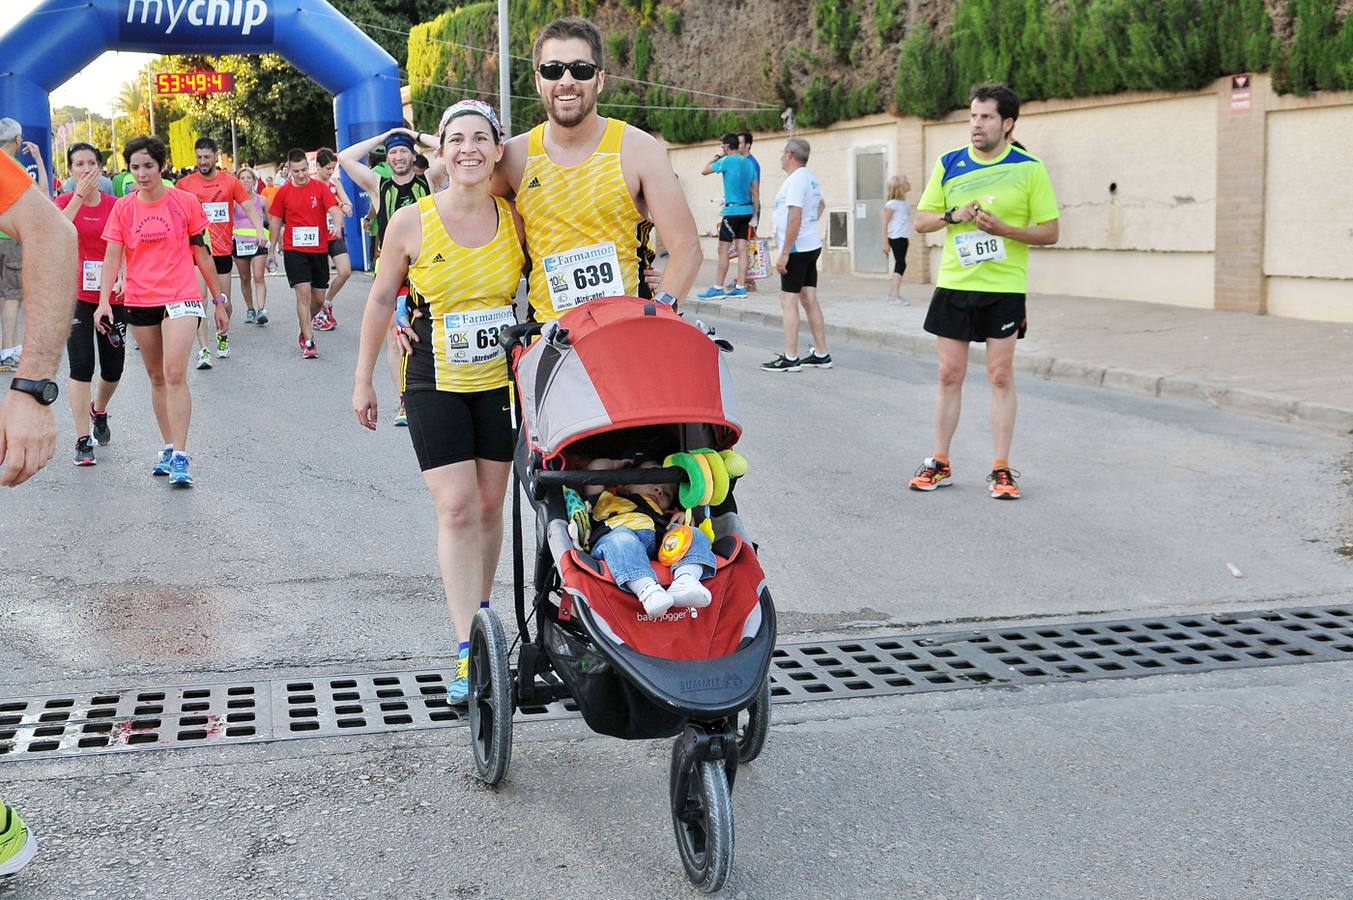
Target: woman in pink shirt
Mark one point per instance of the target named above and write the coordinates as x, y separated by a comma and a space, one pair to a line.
160, 231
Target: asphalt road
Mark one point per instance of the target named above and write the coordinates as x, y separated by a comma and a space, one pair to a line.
308, 545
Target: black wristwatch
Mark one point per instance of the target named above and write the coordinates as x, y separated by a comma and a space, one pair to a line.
949, 215
45, 391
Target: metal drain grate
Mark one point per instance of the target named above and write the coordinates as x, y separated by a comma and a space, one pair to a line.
325, 706
1080, 651
186, 715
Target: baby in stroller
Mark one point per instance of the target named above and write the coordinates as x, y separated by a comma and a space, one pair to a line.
627, 529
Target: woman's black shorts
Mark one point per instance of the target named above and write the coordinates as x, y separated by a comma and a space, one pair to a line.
975, 315
153, 315
899, 248
337, 247
448, 427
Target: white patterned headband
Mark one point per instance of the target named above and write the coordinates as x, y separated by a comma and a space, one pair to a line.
470, 108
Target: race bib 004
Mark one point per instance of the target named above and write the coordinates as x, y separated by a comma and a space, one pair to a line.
187, 308
92, 274
217, 212
978, 247
576, 276
472, 337
305, 237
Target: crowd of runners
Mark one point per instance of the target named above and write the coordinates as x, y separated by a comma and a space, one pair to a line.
570, 205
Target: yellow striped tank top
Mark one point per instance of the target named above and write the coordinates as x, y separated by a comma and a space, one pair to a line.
586, 236
465, 294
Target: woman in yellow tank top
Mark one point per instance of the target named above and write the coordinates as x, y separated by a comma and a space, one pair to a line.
461, 250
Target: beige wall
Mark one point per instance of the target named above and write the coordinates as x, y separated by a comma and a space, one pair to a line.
1309, 265
1154, 237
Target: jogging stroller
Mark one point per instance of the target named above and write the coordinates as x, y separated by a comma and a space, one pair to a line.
616, 371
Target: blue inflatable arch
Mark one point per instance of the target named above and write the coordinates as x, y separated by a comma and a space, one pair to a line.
60, 37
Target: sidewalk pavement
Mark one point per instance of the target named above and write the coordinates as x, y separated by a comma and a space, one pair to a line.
1274, 368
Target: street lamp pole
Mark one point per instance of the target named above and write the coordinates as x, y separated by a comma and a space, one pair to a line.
150, 99
504, 72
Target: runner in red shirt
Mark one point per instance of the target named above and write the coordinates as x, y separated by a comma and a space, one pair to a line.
218, 191
162, 232
304, 206
327, 160
89, 210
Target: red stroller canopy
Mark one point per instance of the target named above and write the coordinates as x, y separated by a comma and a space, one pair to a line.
628, 363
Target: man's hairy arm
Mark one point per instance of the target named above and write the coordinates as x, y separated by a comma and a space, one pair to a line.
671, 215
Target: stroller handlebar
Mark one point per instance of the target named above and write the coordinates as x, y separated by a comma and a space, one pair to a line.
609, 477
517, 334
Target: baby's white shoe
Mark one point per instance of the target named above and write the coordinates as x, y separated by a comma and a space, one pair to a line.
686, 590
655, 600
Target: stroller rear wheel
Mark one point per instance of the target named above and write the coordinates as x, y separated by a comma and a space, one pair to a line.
754, 724
490, 697
702, 816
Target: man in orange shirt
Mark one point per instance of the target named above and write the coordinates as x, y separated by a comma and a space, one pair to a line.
27, 426
218, 192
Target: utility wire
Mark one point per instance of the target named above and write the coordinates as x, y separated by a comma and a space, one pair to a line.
752, 104
600, 102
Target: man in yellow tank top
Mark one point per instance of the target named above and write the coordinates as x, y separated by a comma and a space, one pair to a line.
590, 190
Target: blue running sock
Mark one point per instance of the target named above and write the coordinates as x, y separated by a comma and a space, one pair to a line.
483, 604
463, 648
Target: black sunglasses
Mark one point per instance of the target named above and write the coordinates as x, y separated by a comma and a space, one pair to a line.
581, 71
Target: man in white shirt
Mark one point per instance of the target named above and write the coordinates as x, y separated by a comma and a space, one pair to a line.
798, 206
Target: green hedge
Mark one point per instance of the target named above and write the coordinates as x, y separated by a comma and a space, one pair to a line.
1087, 47
434, 62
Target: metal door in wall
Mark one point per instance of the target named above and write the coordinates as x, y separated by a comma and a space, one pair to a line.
871, 176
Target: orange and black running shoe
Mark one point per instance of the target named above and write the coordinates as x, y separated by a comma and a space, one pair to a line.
1002, 483
931, 474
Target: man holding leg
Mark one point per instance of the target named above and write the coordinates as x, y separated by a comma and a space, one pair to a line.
798, 207
993, 199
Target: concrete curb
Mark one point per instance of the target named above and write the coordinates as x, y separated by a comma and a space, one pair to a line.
1241, 401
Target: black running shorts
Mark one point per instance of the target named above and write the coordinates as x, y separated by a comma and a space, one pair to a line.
306, 268
224, 264
976, 315
144, 316
337, 247
800, 272
449, 427
734, 228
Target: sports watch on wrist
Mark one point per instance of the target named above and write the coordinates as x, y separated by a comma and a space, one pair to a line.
665, 297
218, 300
949, 215
44, 391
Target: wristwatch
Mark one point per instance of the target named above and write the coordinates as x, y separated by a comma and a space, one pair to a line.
219, 299
44, 391
949, 215
665, 297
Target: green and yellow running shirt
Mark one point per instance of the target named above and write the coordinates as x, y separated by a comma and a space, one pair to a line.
1016, 189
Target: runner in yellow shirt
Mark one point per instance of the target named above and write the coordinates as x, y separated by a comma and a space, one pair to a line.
993, 199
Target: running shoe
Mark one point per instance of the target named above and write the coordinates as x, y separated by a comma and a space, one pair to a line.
931, 474
162, 462
251, 317
204, 358
736, 291
84, 452
103, 435
222, 346
179, 476
782, 363
18, 846
817, 360
458, 688
1002, 483
401, 417
262, 317
8, 363
321, 322
328, 311
713, 293
309, 350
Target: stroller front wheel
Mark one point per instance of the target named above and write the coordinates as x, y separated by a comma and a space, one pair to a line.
752, 733
702, 816
490, 701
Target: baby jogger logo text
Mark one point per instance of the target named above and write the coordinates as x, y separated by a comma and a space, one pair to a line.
216, 21
712, 683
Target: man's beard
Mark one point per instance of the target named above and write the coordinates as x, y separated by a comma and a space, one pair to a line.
586, 105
